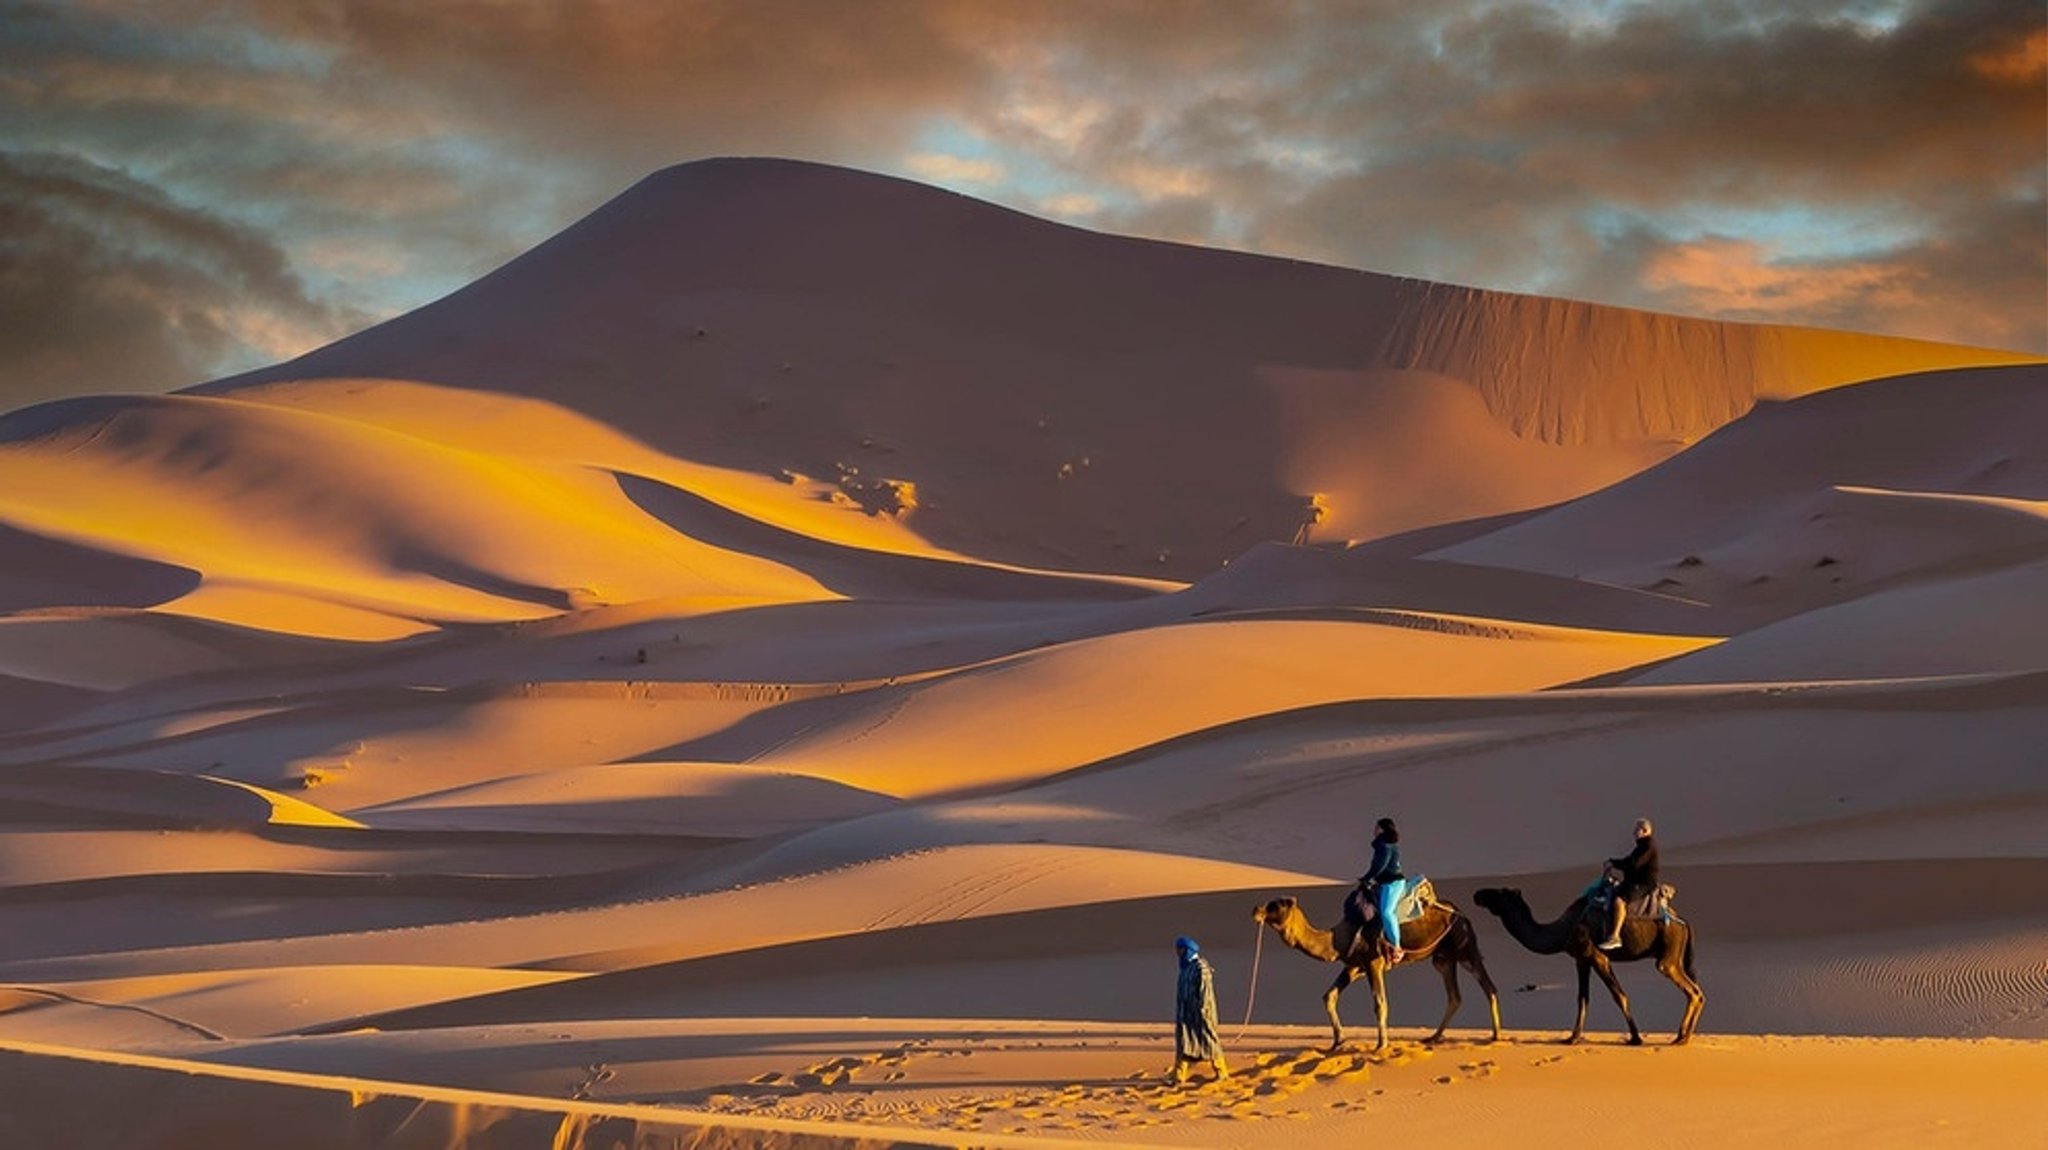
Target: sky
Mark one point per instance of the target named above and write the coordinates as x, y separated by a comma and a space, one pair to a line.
192, 188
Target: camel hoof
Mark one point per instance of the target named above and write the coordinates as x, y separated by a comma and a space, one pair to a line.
1571, 1040
1635, 1040
1681, 1040
1433, 1039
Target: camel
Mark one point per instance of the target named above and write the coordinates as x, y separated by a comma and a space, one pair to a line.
1442, 935
1573, 933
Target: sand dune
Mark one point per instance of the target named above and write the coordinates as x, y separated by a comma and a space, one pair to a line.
28, 701
104, 652
1788, 509
878, 895
781, 661
367, 748
225, 1004
1967, 624
1098, 698
37, 571
708, 799
1274, 577
1512, 784
424, 531
1073, 410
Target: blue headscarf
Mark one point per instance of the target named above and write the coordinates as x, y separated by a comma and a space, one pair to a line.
1187, 948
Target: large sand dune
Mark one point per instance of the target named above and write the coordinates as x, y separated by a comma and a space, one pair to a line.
781, 661
1061, 397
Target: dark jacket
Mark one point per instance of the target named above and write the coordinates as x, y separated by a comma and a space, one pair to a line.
1638, 868
1386, 860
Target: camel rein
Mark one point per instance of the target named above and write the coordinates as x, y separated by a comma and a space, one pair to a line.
1252, 995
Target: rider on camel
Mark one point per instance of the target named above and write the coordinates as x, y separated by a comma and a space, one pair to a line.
1384, 883
1635, 876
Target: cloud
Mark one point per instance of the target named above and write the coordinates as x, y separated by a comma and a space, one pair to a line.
107, 285
1070, 205
385, 152
940, 167
1498, 143
1740, 279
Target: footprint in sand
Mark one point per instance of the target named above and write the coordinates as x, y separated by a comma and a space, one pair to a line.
833, 1071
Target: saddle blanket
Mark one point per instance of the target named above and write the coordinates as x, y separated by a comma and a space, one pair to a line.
1655, 904
1419, 897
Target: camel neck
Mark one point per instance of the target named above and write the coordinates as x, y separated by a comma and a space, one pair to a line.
1542, 937
1297, 933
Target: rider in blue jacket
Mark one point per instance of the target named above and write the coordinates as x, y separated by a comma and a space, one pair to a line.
1384, 882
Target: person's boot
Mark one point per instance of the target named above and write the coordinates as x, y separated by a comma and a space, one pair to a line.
1222, 1071
1179, 1074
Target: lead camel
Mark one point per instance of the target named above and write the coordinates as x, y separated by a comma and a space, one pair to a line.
1442, 935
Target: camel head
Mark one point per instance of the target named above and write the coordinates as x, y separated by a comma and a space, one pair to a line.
1275, 913
1500, 900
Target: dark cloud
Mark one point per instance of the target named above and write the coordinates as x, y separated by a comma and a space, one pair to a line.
108, 285
1516, 146
1801, 161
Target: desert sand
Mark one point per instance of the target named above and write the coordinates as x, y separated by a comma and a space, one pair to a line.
779, 663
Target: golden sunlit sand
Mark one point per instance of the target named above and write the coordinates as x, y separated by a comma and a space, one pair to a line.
756, 699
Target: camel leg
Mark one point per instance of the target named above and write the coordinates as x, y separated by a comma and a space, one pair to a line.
1579, 1026
1378, 973
1695, 998
1448, 967
1344, 978
1478, 968
1606, 972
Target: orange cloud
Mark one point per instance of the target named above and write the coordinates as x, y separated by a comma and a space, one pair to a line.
2022, 63
949, 169
1738, 279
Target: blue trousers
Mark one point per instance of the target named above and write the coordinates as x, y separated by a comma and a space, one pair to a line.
1390, 894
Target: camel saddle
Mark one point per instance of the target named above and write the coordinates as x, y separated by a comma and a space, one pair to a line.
1419, 897
1416, 900
1655, 904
